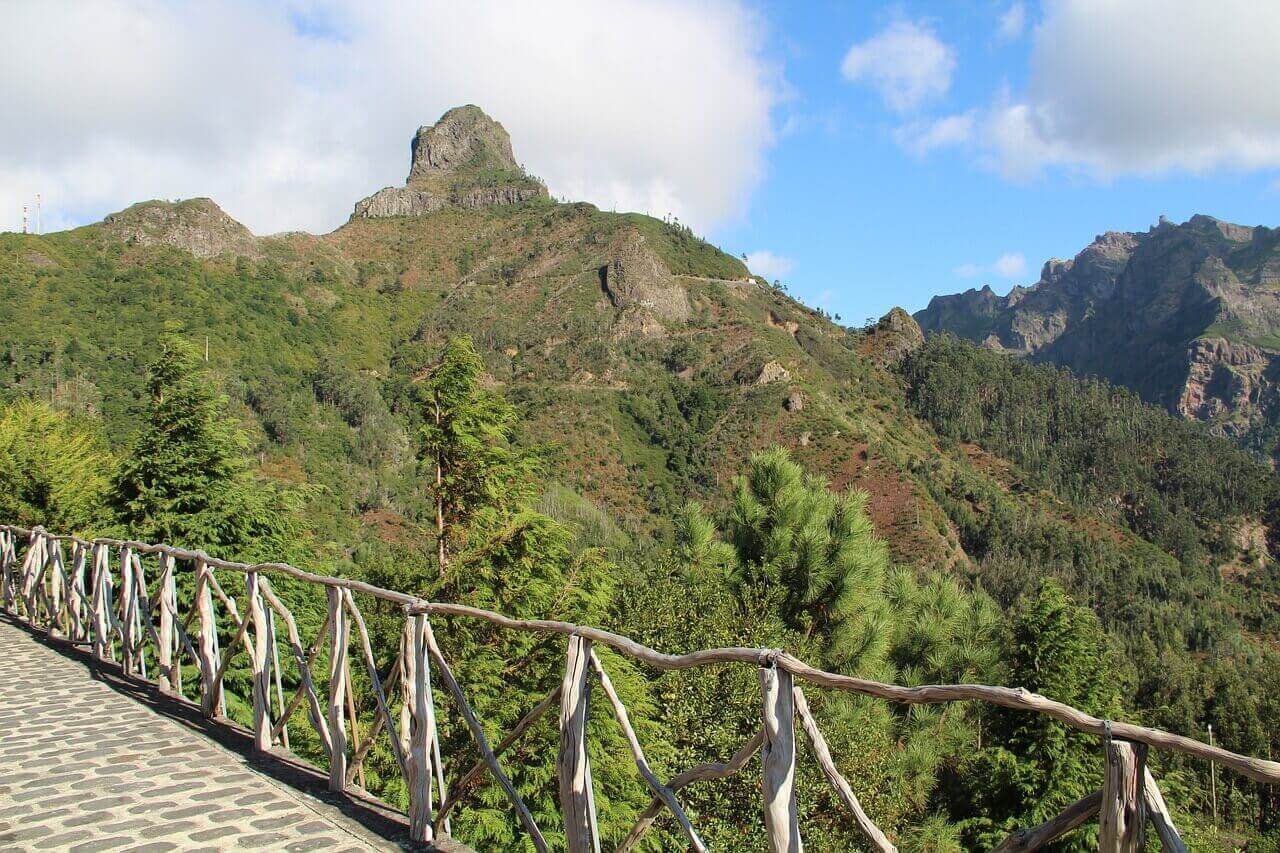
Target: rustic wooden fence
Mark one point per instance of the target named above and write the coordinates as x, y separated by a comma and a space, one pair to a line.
97, 593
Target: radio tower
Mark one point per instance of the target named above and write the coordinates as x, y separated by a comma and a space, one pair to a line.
24, 219
39, 216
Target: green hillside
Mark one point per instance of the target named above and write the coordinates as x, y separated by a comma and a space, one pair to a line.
646, 368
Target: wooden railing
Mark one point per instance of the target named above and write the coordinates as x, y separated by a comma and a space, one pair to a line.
99, 595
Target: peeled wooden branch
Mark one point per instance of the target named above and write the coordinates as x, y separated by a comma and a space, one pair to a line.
637, 752
703, 772
372, 667
463, 785
818, 744
482, 743
778, 760
304, 660
1158, 815
1072, 817
1122, 819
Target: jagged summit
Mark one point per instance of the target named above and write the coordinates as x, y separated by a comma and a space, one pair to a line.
463, 160
1186, 314
464, 138
195, 225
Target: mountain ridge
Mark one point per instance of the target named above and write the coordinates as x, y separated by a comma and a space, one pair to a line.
1185, 314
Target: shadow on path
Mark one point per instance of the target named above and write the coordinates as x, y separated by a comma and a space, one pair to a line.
361, 812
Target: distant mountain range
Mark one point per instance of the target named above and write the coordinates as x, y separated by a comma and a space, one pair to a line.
1187, 315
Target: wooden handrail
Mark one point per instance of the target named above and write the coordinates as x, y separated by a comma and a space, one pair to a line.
34, 588
1015, 698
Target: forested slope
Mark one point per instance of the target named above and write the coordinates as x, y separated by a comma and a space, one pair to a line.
644, 369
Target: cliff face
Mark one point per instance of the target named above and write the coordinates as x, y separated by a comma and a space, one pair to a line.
1185, 314
463, 160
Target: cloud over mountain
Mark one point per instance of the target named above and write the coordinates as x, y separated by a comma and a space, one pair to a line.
287, 113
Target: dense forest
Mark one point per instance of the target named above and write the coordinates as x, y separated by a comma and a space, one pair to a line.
749, 474
778, 559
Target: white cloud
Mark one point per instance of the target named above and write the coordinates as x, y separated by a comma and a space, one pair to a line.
1144, 87
287, 112
1012, 22
922, 137
768, 264
905, 63
1010, 265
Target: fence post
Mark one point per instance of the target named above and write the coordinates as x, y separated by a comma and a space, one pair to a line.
4, 570
339, 636
261, 666
1123, 817
76, 593
101, 602
211, 701
31, 565
417, 690
166, 591
577, 798
128, 607
778, 760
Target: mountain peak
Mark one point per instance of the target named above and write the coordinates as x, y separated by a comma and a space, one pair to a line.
464, 138
195, 225
463, 160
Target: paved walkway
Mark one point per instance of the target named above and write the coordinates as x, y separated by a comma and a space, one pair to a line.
91, 761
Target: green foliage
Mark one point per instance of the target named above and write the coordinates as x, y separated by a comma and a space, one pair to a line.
791, 531
184, 479
466, 441
54, 468
1093, 444
1034, 767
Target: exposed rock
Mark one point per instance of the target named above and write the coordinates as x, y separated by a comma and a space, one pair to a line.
195, 225
463, 160
1224, 379
805, 438
463, 137
400, 201
772, 371
894, 337
636, 278
1185, 314
794, 402
791, 326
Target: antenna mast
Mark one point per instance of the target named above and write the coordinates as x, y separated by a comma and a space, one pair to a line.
39, 216
24, 219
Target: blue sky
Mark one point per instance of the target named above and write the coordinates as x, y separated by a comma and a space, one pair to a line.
869, 155
867, 224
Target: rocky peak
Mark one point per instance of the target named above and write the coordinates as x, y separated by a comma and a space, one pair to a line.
195, 225
894, 337
463, 160
464, 137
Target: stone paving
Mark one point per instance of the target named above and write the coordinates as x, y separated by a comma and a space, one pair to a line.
90, 761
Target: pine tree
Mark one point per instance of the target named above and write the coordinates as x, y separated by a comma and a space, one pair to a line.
819, 546
184, 479
1034, 766
467, 443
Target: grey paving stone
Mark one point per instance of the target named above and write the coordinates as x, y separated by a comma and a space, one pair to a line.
86, 768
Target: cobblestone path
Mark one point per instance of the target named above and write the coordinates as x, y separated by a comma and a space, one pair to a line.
89, 761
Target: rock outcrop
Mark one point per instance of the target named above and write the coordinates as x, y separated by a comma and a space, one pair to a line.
195, 225
893, 338
1187, 315
640, 286
463, 160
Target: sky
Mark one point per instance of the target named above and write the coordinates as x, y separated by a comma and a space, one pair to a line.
866, 155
